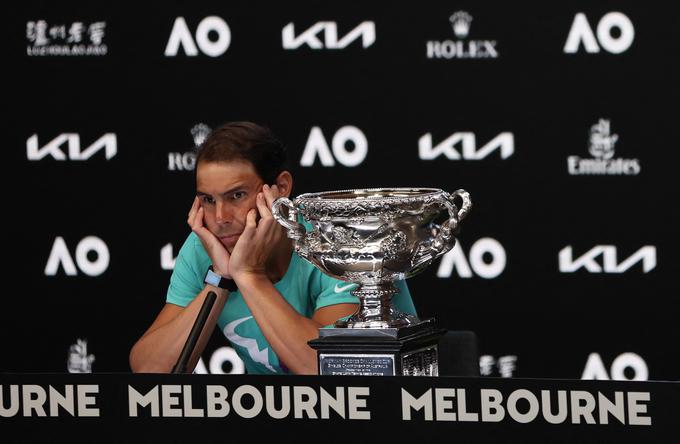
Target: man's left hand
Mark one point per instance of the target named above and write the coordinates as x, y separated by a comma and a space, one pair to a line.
259, 238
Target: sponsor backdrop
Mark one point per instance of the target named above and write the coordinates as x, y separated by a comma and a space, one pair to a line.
556, 118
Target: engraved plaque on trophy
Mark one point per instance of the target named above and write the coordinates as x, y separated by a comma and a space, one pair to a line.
374, 237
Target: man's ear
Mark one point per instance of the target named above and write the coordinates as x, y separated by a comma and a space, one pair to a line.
284, 182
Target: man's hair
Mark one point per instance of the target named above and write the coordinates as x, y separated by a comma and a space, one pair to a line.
245, 141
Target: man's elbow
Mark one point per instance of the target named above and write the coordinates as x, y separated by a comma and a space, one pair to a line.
134, 361
137, 362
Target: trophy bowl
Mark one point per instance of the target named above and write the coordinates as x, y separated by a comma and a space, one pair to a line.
373, 237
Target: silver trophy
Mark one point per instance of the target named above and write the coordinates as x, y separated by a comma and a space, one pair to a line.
373, 237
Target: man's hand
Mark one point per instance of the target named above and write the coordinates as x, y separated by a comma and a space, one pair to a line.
215, 249
259, 238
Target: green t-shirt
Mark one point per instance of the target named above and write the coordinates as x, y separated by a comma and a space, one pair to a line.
304, 286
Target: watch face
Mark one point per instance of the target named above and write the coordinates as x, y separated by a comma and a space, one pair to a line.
212, 279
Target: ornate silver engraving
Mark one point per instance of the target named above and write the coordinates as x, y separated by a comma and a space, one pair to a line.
373, 237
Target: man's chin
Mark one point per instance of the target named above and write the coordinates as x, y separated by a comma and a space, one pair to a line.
229, 244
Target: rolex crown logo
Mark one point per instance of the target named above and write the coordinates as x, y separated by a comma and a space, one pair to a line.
200, 132
460, 22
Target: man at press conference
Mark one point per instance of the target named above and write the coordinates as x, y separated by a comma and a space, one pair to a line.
269, 302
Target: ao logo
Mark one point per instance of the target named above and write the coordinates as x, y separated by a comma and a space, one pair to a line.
167, 257
60, 255
487, 270
181, 35
467, 142
107, 142
217, 360
365, 31
610, 263
581, 32
595, 369
348, 155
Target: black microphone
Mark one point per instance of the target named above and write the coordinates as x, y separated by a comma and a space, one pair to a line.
180, 366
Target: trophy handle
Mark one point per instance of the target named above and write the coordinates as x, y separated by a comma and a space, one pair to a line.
465, 207
455, 216
295, 229
445, 240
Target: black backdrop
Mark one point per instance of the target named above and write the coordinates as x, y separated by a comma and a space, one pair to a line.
541, 271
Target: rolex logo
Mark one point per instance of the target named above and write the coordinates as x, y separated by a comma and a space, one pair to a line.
200, 132
186, 161
460, 47
460, 22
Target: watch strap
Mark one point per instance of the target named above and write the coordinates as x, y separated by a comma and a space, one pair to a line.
216, 280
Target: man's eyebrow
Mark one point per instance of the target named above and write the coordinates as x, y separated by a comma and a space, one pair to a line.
230, 190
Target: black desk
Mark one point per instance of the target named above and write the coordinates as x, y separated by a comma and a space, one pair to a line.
223, 408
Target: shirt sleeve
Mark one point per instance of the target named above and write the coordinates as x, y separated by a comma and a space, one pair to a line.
402, 300
186, 280
333, 291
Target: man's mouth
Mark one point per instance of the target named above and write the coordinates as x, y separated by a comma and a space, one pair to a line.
230, 237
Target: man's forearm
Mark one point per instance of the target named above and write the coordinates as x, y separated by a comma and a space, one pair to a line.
158, 350
286, 330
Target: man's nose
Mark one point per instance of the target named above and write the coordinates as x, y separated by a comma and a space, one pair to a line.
222, 213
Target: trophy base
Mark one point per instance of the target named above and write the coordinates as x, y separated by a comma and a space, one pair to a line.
405, 351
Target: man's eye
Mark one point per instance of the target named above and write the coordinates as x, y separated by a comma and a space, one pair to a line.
207, 199
238, 195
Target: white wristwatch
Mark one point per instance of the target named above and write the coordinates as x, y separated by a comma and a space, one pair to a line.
216, 280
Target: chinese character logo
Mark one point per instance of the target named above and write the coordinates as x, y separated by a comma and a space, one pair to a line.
78, 359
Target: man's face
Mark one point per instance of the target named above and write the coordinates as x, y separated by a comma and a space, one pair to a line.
227, 191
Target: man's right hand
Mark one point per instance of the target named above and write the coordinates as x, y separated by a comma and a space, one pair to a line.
216, 250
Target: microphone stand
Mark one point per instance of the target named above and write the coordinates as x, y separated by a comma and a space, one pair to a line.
190, 344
